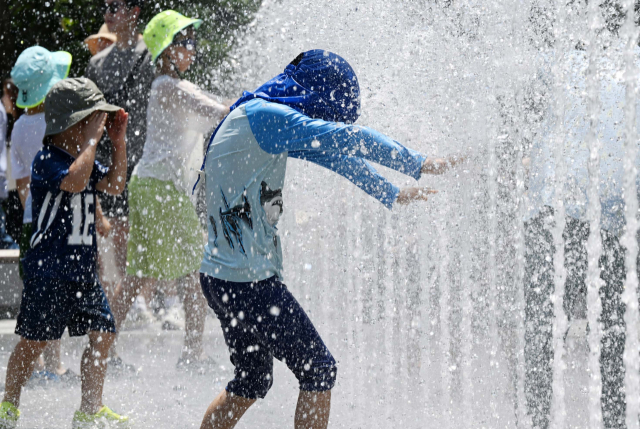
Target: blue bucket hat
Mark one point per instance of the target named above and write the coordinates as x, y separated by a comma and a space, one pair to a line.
36, 71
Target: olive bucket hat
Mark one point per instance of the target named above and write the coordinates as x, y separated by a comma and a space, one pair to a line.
36, 71
160, 31
70, 101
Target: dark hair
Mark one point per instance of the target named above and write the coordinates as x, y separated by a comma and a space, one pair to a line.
11, 88
47, 140
133, 3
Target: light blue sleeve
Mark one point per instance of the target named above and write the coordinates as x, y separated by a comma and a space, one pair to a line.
344, 149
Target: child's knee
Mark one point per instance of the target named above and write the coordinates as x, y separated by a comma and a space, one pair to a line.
31, 346
319, 375
101, 341
254, 385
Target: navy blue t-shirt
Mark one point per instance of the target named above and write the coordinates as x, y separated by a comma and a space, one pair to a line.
63, 244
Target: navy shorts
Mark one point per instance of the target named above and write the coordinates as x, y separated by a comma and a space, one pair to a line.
260, 321
50, 305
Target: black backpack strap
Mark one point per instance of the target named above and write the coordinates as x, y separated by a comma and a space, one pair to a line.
120, 93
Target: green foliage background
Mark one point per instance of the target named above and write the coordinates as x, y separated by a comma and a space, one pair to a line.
64, 24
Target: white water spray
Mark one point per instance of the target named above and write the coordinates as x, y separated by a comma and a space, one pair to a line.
560, 322
629, 239
594, 242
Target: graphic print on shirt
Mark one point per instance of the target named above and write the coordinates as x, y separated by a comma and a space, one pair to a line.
36, 238
230, 219
215, 230
83, 218
271, 202
80, 224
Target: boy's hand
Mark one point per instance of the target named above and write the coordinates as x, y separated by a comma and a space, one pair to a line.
441, 165
117, 128
103, 226
410, 194
95, 126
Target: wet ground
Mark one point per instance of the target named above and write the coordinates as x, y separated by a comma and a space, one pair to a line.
161, 396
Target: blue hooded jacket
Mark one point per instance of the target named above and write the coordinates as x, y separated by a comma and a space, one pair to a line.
317, 83
306, 112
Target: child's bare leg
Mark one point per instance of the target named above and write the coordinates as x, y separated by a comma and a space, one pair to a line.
195, 306
127, 288
126, 293
93, 369
51, 355
120, 235
225, 411
313, 409
20, 367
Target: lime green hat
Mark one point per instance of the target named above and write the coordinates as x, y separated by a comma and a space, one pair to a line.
163, 27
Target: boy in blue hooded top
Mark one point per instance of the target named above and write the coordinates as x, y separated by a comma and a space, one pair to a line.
306, 113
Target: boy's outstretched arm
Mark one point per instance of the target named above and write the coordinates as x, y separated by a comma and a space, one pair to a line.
280, 128
80, 171
113, 183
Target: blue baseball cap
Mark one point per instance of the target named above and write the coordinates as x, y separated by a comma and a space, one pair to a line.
36, 71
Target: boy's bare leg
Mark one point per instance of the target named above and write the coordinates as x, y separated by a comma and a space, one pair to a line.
195, 309
93, 369
120, 235
20, 367
126, 293
225, 411
51, 355
313, 410
126, 290
108, 280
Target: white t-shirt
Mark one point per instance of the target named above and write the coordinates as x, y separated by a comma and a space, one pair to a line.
26, 141
178, 115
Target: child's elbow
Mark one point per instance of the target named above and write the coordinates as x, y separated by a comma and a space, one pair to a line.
114, 190
108, 187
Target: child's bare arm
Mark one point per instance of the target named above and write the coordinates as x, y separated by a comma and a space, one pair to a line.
440, 165
80, 171
114, 183
103, 226
411, 194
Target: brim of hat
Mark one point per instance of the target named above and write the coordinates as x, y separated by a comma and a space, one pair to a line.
35, 96
66, 122
196, 24
97, 36
92, 43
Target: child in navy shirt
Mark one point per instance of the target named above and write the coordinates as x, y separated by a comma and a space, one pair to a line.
61, 286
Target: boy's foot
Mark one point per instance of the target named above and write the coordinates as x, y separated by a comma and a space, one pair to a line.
43, 378
201, 365
69, 377
138, 317
173, 319
9, 415
115, 366
103, 419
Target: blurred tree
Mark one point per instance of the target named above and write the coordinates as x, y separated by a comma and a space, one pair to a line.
64, 24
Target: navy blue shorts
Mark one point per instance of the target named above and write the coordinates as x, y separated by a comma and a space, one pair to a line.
50, 305
260, 321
